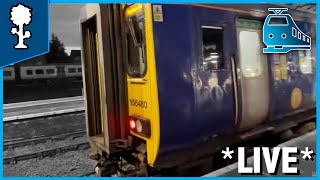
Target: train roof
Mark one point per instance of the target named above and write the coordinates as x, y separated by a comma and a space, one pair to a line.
297, 11
308, 8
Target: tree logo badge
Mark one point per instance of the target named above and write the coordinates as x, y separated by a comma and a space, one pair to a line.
20, 16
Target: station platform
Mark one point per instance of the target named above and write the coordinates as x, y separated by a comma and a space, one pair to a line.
306, 167
33, 109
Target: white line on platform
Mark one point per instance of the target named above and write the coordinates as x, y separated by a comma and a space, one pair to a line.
27, 116
41, 102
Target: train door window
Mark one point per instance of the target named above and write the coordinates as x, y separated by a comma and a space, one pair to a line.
50, 71
305, 61
250, 53
212, 47
136, 46
294, 32
7, 73
72, 70
29, 72
39, 71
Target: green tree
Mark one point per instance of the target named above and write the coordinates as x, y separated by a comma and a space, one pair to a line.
57, 52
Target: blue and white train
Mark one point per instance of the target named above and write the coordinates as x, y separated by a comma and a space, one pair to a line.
42, 72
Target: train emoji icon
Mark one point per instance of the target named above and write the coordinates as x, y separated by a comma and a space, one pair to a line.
281, 34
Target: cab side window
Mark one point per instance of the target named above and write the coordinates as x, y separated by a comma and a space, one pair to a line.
212, 48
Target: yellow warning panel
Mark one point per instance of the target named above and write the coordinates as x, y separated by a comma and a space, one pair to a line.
296, 98
283, 67
157, 13
276, 72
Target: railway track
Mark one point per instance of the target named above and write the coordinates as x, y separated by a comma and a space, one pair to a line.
45, 153
25, 123
14, 143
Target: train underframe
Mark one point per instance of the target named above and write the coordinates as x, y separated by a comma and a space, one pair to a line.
205, 157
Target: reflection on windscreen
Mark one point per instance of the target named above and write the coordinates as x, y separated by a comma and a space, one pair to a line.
278, 21
136, 46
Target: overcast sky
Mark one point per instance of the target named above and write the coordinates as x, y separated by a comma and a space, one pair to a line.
64, 22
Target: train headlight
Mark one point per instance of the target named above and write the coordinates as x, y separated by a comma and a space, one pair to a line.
140, 126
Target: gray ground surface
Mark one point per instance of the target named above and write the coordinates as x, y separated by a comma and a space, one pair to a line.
73, 163
42, 146
60, 124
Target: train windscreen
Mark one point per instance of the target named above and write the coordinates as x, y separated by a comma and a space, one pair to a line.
135, 42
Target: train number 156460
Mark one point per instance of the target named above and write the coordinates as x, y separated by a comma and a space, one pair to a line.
138, 103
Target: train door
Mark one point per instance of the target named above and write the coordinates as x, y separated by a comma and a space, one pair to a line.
254, 80
103, 76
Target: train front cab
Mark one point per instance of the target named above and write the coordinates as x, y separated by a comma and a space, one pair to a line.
109, 92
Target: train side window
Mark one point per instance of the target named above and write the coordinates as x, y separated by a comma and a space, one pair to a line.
7, 73
299, 35
294, 32
29, 72
304, 38
72, 70
50, 71
212, 48
79, 69
305, 61
250, 53
39, 71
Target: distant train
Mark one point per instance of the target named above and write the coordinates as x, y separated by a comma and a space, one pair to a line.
43, 72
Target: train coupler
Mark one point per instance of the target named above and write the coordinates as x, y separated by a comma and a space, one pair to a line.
95, 156
106, 168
